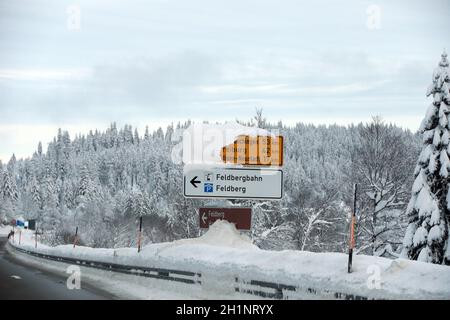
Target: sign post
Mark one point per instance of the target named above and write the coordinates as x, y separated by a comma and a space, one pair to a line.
35, 236
76, 237
240, 217
232, 183
139, 234
352, 231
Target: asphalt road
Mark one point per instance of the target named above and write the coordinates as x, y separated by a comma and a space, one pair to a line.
21, 282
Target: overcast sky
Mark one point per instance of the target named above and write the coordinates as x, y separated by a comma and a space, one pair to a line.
161, 61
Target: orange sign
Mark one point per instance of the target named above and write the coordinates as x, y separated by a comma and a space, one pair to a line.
352, 233
254, 150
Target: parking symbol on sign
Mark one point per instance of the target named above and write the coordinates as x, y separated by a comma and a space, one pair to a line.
209, 187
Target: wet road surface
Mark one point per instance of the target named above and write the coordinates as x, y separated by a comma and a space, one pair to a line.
19, 281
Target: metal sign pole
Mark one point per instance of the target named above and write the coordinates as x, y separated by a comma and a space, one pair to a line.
76, 237
352, 231
35, 236
139, 235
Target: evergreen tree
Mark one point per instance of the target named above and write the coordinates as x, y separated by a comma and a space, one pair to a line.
426, 237
147, 134
39, 151
36, 193
11, 166
136, 136
137, 203
9, 187
86, 187
104, 172
159, 134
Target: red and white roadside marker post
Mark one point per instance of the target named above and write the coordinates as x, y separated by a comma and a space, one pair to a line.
351, 244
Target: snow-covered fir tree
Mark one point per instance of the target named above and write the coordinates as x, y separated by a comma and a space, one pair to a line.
9, 187
426, 237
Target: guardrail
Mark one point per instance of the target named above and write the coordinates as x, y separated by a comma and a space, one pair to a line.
157, 273
258, 288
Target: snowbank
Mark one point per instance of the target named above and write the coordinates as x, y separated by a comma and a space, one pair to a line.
4, 230
220, 234
221, 255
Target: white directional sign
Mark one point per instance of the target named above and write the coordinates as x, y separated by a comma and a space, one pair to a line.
232, 183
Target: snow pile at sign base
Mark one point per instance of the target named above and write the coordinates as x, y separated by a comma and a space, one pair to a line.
222, 255
222, 234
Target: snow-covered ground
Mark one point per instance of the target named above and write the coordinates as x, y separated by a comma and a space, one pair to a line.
222, 254
4, 230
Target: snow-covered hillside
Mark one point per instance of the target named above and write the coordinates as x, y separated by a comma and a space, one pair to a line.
222, 254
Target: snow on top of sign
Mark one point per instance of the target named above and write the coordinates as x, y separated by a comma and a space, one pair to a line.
203, 142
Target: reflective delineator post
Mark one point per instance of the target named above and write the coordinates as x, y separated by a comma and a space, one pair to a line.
139, 234
76, 237
351, 244
20, 236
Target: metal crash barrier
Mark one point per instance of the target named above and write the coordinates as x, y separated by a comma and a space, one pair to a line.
263, 289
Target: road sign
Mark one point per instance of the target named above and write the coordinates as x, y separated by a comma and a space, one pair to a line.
254, 150
232, 183
241, 217
32, 224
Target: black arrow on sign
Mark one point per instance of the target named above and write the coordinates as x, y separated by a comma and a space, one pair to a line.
194, 182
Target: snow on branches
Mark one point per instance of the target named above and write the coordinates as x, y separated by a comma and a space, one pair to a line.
426, 238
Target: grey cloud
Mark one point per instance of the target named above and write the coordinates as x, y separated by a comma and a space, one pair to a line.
141, 85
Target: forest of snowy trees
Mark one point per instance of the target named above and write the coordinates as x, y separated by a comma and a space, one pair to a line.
103, 181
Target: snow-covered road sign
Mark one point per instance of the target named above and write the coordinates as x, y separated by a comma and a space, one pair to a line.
232, 183
241, 217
